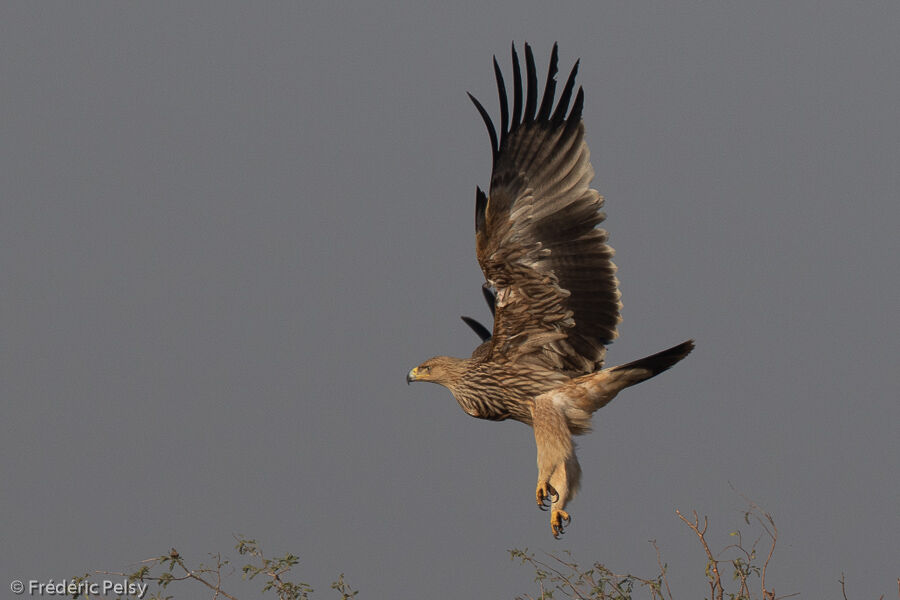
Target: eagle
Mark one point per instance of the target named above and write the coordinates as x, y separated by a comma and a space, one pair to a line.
551, 283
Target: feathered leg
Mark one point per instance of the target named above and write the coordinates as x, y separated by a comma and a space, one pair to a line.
559, 473
565, 480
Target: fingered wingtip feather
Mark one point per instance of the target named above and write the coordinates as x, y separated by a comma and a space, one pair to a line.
562, 108
495, 146
531, 88
550, 86
575, 115
504, 104
525, 98
517, 89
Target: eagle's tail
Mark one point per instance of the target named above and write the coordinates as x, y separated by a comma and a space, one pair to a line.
652, 365
597, 389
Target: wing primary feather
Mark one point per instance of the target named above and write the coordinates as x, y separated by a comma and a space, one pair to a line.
489, 297
517, 90
480, 330
480, 206
495, 147
560, 114
550, 87
575, 115
531, 73
504, 104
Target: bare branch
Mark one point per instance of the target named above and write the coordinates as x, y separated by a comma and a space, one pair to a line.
715, 582
662, 569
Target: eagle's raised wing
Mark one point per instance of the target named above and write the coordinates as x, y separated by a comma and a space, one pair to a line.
537, 239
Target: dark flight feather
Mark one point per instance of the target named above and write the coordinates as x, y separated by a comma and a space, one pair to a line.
490, 297
531, 89
495, 146
517, 89
480, 206
504, 106
478, 328
560, 113
550, 88
538, 239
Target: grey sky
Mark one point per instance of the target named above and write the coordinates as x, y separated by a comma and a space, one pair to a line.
229, 230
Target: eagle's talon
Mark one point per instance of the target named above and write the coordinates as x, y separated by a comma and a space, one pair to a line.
544, 494
559, 521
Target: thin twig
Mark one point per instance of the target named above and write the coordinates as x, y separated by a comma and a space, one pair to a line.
662, 569
716, 584
188, 575
561, 576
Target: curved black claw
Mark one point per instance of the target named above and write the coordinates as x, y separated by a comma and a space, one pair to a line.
558, 523
544, 502
545, 493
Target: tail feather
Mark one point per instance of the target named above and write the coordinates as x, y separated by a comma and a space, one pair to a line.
659, 362
590, 393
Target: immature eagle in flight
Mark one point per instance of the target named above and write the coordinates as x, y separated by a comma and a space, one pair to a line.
557, 300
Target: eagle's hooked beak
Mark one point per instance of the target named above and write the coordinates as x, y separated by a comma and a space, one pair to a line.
411, 376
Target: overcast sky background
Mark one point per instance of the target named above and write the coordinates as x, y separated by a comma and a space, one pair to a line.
228, 230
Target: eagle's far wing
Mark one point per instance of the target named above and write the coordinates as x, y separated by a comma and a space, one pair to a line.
537, 239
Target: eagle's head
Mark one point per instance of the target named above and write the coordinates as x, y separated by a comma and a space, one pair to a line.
444, 370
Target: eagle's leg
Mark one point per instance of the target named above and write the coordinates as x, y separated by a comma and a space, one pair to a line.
565, 481
558, 469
